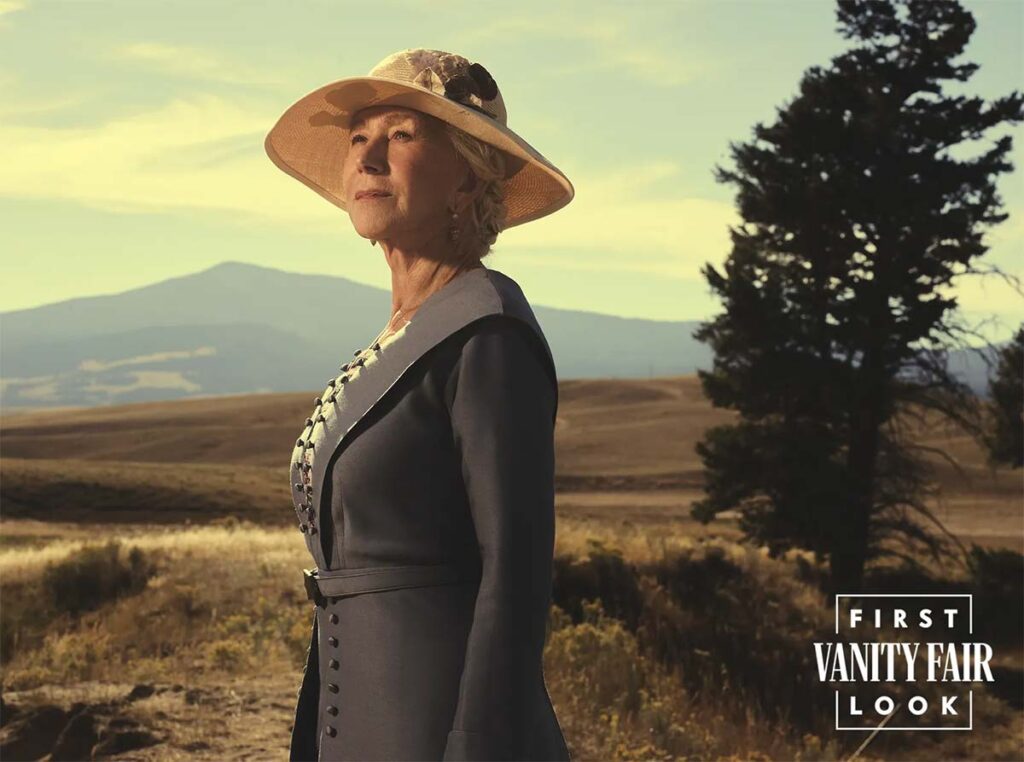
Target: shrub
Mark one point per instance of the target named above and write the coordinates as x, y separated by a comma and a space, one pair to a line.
82, 582
95, 575
603, 576
230, 654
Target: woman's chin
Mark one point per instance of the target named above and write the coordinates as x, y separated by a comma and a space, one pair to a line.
372, 232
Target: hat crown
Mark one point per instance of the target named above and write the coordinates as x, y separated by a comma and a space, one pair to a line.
446, 74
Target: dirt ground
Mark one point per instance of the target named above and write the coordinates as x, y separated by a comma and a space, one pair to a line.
246, 719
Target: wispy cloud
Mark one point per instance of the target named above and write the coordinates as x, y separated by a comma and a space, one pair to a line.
10, 6
620, 220
199, 152
615, 45
205, 152
618, 48
14, 106
7, 7
197, 63
38, 106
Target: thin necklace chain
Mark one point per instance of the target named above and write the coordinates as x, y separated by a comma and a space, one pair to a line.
388, 330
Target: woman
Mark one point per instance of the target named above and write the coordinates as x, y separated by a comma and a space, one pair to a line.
424, 477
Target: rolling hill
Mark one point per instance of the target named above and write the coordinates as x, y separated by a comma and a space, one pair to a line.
237, 328
624, 449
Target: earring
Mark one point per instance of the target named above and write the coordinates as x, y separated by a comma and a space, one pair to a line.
453, 229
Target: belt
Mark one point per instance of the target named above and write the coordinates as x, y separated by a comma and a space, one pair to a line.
336, 583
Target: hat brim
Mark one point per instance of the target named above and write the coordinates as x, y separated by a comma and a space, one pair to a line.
310, 141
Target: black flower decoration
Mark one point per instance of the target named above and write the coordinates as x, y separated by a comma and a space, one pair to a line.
487, 87
475, 80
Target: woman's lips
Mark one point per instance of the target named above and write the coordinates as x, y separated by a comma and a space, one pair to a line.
371, 195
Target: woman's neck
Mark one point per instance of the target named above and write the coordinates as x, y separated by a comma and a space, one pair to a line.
414, 280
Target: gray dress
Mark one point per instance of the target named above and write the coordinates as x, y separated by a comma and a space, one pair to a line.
424, 488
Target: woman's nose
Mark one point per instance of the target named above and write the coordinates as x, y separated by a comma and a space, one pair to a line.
369, 165
373, 159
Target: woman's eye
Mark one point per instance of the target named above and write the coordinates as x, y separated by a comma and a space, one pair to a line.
399, 134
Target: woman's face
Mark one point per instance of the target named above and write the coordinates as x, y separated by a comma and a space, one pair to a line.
401, 175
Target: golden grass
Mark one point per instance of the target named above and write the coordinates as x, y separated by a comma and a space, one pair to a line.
624, 450
272, 546
651, 602
227, 601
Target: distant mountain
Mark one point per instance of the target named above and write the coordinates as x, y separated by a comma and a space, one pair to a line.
237, 328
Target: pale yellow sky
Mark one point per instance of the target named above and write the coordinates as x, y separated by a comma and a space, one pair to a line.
131, 137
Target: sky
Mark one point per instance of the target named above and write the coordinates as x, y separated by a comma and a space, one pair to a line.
131, 137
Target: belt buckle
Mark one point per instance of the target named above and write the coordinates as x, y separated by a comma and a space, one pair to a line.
312, 588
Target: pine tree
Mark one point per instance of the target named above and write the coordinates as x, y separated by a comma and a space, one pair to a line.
838, 309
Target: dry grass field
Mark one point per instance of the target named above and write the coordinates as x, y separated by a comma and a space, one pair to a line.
185, 638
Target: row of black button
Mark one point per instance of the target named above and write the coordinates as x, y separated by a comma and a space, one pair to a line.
332, 687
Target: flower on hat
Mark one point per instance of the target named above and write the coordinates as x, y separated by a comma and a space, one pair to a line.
455, 78
475, 80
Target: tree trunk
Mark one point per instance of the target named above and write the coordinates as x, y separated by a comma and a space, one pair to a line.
853, 528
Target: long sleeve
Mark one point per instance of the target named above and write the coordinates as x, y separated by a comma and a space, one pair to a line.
502, 413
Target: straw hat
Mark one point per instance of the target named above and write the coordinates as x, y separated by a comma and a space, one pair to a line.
310, 140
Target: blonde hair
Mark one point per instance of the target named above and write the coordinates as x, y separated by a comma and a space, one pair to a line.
485, 217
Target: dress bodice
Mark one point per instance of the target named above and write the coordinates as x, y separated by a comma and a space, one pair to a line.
324, 406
